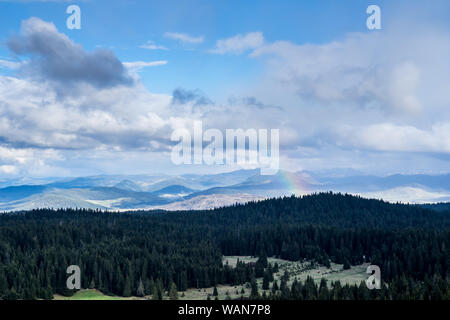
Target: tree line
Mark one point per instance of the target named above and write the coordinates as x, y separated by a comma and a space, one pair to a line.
152, 252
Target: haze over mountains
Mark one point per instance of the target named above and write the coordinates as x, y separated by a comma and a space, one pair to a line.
130, 192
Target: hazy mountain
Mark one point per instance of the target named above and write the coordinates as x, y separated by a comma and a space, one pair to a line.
202, 182
56, 198
365, 183
281, 184
209, 202
120, 192
225, 179
128, 185
97, 197
20, 192
208, 191
113, 192
26, 181
409, 195
173, 191
107, 181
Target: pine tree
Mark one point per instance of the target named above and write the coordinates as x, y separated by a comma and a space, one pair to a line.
92, 284
323, 290
140, 292
275, 286
254, 294
127, 288
160, 286
266, 281
346, 265
149, 286
263, 260
184, 281
173, 293
156, 295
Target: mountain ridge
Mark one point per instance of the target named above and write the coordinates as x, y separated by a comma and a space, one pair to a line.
193, 191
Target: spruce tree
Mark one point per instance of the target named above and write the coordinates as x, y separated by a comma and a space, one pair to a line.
127, 288
254, 294
156, 295
173, 292
140, 292
266, 281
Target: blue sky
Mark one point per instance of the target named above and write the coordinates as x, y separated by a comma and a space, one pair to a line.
125, 25
342, 96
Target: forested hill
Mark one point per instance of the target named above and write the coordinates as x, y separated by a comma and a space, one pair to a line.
327, 209
117, 252
441, 206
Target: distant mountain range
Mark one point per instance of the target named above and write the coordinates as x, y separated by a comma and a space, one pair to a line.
132, 192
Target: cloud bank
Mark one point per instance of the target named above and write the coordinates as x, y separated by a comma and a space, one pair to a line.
367, 100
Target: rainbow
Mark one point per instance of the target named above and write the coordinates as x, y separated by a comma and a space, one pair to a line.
294, 183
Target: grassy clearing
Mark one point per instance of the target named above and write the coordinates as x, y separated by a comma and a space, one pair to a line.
301, 270
202, 294
89, 294
296, 270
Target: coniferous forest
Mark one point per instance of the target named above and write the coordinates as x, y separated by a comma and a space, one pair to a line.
151, 252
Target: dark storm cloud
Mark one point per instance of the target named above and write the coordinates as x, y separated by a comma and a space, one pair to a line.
54, 57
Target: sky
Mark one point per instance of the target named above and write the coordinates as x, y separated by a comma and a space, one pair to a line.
105, 99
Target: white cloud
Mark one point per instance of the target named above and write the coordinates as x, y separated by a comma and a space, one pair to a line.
183, 37
239, 43
124, 116
16, 161
8, 169
151, 45
10, 64
402, 87
367, 70
139, 65
401, 138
